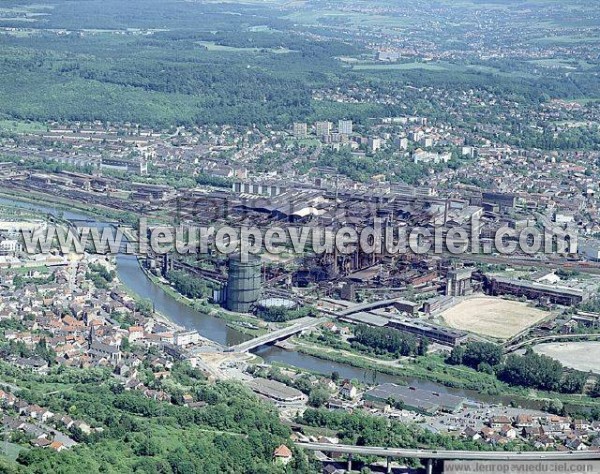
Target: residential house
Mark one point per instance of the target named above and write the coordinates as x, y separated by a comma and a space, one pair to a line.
471, 433
524, 421
497, 422
40, 442
577, 445
508, 432
57, 446
282, 455
348, 390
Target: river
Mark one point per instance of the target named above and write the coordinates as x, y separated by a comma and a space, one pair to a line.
216, 329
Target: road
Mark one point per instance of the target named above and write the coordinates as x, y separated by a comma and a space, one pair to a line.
278, 335
554, 337
366, 307
448, 454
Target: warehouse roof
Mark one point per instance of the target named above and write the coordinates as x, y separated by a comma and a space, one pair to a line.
275, 390
416, 397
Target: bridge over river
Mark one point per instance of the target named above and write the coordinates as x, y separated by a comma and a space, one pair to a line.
306, 323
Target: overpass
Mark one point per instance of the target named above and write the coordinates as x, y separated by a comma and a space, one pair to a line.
429, 455
307, 323
277, 335
511, 347
366, 307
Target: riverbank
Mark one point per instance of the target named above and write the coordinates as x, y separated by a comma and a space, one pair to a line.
155, 314
436, 375
237, 322
432, 368
63, 204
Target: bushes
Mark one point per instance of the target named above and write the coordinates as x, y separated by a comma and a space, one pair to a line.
386, 339
529, 370
188, 285
532, 370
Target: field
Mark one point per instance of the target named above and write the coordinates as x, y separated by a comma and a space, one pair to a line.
399, 66
576, 355
493, 317
212, 46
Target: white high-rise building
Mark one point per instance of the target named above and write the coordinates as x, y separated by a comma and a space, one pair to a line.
345, 127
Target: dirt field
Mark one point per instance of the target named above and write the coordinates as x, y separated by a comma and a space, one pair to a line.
582, 356
492, 317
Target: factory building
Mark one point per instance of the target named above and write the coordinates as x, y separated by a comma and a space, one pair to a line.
440, 334
458, 282
276, 391
416, 399
136, 166
504, 201
553, 294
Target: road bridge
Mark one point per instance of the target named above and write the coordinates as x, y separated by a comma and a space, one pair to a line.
308, 323
367, 307
278, 335
511, 347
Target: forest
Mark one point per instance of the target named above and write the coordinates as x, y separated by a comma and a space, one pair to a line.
233, 432
185, 63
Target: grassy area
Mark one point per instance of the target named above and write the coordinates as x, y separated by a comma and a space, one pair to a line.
9, 450
19, 126
433, 368
212, 46
399, 66
304, 142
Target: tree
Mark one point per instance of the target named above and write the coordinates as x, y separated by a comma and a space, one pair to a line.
532, 370
477, 352
385, 340
397, 404
485, 368
595, 390
423, 346
456, 356
554, 406
573, 382
144, 306
335, 376
318, 397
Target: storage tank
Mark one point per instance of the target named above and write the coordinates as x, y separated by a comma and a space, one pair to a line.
243, 283
273, 302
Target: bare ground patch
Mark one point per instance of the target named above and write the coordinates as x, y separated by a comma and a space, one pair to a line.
494, 317
584, 356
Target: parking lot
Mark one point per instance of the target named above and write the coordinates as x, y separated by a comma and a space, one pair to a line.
475, 418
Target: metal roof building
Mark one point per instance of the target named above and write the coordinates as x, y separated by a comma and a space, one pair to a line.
416, 399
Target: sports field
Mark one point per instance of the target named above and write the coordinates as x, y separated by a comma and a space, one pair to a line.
494, 317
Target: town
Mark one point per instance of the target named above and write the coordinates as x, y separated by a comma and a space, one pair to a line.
456, 141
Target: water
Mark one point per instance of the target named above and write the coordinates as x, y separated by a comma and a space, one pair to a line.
213, 328
134, 278
216, 329
66, 214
